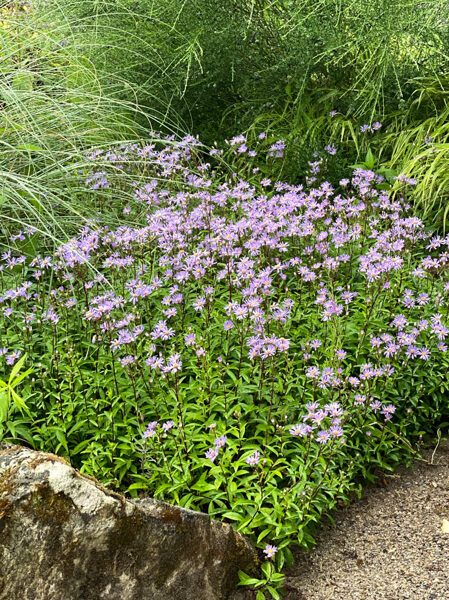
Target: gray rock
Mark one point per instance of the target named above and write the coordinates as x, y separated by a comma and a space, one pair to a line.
65, 537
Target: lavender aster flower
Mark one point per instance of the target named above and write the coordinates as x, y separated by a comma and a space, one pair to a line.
322, 437
150, 430
336, 431
301, 430
219, 442
212, 454
189, 339
13, 357
253, 459
270, 550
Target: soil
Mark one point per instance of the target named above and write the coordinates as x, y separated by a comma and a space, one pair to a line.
389, 545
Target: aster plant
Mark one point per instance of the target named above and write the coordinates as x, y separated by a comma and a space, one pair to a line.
241, 346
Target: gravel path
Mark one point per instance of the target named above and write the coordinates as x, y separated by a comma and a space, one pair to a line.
389, 545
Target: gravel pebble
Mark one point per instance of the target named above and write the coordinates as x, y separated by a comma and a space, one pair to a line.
389, 545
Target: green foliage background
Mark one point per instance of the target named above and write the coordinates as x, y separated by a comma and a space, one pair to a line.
218, 68
220, 65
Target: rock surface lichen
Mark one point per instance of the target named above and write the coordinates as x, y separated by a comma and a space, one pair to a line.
65, 537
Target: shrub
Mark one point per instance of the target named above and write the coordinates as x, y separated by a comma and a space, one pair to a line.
221, 65
242, 346
282, 67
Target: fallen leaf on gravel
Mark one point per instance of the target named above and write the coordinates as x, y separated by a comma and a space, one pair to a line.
445, 526
433, 484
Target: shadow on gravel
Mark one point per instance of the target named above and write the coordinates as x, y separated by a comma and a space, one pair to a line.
389, 545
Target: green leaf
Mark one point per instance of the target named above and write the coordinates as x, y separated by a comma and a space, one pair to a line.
274, 593
138, 486
4, 404
203, 486
16, 368
19, 402
233, 516
266, 569
246, 579
20, 378
263, 534
370, 161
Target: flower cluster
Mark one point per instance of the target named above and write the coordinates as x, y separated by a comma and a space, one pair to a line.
307, 323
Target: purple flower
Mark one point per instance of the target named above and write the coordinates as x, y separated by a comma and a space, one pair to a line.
313, 372
375, 406
174, 364
228, 325
189, 339
300, 430
11, 358
412, 352
127, 360
322, 437
253, 459
423, 299
388, 412
311, 408
424, 354
335, 431
219, 442
270, 550
391, 349
269, 350
399, 321
376, 342
150, 430
212, 454
199, 304
50, 315
319, 416
283, 344
334, 409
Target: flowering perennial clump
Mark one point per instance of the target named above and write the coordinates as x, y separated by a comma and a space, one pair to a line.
239, 345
